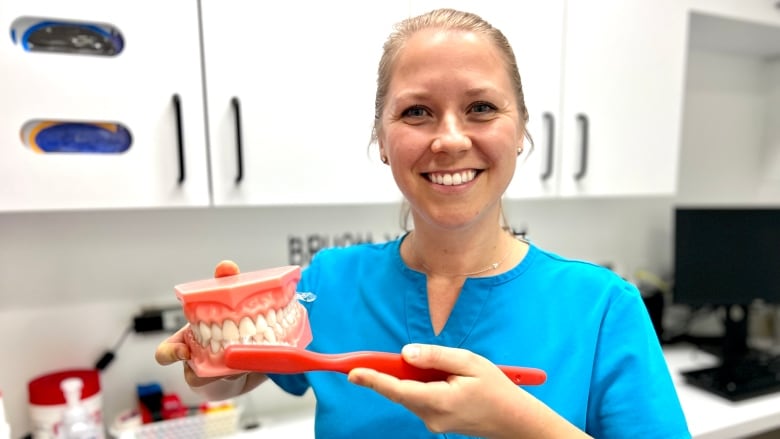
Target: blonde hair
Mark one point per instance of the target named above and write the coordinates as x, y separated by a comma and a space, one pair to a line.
444, 19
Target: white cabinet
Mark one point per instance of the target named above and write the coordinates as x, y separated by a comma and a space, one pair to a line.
166, 164
603, 81
289, 98
299, 77
623, 70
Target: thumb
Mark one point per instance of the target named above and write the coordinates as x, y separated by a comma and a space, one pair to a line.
452, 360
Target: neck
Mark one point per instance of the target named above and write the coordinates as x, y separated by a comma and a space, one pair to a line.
461, 256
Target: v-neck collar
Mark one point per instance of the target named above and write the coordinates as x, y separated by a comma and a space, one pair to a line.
466, 312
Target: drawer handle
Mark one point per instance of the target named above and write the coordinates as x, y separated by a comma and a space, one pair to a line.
548, 168
583, 121
239, 142
179, 136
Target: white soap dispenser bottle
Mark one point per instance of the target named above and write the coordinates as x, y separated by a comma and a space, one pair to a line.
77, 423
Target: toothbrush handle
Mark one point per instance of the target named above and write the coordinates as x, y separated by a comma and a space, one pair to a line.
285, 359
394, 364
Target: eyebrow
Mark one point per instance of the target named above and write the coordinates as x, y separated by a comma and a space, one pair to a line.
414, 95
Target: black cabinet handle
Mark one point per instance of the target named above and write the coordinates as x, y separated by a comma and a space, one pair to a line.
583, 121
550, 123
239, 143
179, 136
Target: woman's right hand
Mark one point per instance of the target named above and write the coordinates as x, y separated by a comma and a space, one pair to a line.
174, 349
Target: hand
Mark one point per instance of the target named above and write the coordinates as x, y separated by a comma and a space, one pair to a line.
476, 400
174, 349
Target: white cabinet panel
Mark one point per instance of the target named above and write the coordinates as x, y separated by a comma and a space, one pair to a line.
304, 74
624, 69
160, 59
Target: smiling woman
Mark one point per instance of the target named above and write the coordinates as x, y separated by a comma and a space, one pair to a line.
459, 293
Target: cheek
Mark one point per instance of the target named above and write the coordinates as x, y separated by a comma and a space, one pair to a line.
403, 145
504, 141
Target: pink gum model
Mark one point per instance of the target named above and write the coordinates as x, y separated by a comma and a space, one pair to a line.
255, 308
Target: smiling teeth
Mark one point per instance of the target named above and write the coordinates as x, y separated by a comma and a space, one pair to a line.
452, 179
270, 328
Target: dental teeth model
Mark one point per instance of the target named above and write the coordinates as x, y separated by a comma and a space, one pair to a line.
256, 308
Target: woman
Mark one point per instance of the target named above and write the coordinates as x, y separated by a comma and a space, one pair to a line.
459, 293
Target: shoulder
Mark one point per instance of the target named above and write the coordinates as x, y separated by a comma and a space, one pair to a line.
355, 260
585, 275
352, 254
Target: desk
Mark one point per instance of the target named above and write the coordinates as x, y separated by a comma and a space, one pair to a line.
710, 416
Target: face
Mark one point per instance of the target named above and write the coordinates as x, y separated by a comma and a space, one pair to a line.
451, 127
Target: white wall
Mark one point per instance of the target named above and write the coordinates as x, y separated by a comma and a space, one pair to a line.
71, 281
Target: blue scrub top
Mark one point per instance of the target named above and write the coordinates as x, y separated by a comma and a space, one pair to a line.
581, 323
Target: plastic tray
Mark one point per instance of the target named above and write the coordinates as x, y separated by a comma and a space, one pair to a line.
216, 424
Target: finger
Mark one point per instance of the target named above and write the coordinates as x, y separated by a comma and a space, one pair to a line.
407, 392
381, 383
169, 353
452, 360
173, 349
226, 268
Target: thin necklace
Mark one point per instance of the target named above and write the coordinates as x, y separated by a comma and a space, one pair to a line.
492, 266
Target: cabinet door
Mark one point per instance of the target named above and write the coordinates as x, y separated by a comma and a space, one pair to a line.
535, 31
300, 78
623, 88
135, 88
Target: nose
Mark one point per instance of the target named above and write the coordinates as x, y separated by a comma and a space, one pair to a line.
451, 136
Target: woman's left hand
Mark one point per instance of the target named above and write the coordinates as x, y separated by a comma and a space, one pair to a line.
476, 400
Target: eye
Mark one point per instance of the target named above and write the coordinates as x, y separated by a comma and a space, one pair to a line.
415, 112
482, 107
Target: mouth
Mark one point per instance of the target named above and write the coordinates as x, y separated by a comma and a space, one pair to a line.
254, 308
452, 178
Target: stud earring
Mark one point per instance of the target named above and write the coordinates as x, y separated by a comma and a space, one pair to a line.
384, 159
519, 151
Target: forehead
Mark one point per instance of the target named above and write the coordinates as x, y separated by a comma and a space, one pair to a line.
456, 46
439, 58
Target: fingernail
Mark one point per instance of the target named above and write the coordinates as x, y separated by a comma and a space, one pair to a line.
411, 351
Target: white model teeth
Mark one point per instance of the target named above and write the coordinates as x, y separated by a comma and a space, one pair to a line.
270, 328
230, 330
246, 329
452, 179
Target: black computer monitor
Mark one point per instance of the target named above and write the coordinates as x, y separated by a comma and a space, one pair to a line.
728, 258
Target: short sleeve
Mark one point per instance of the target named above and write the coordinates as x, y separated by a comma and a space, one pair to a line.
632, 392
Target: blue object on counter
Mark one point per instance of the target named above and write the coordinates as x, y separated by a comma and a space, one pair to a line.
150, 398
79, 137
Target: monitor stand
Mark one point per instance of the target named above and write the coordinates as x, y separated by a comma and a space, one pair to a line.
743, 372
